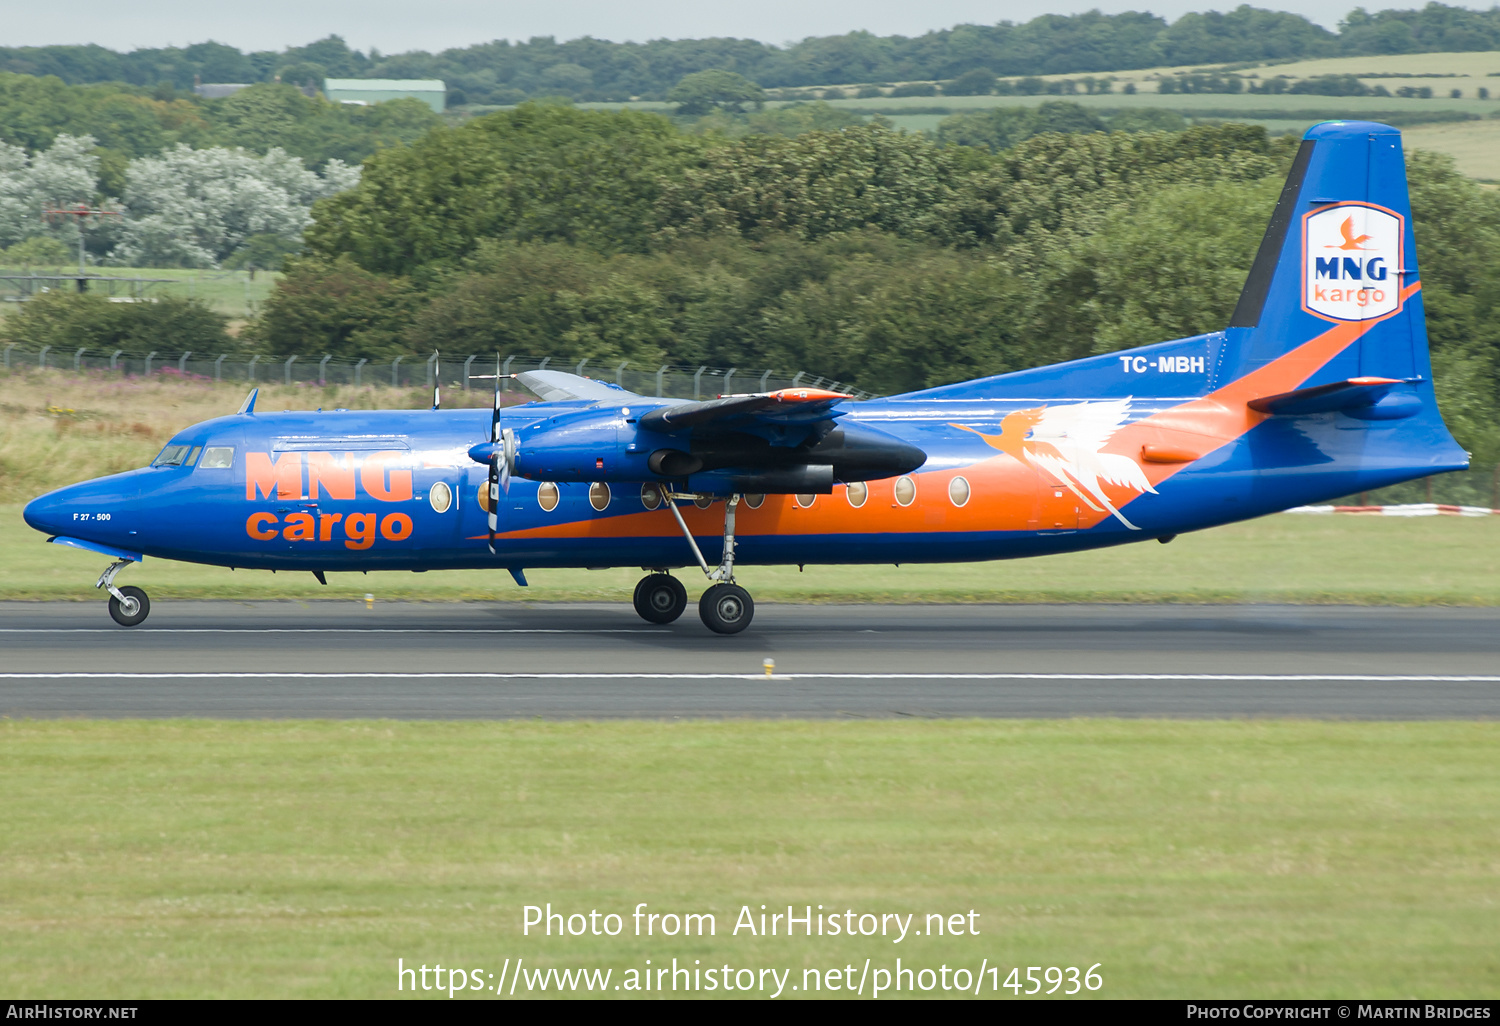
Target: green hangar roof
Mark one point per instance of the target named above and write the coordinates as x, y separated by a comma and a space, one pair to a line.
430, 91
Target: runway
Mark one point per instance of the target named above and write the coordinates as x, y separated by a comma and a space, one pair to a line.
504, 660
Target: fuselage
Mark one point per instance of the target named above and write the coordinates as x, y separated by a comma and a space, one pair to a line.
397, 490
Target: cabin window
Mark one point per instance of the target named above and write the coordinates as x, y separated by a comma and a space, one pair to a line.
906, 491
857, 493
217, 457
547, 496
599, 495
806, 501
754, 499
703, 501
958, 491
441, 497
171, 456
651, 495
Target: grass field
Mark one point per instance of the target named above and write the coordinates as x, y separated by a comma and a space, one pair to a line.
302, 859
232, 293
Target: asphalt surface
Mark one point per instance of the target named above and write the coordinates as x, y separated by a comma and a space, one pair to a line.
472, 660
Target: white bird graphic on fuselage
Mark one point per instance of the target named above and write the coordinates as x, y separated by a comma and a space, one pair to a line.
1065, 441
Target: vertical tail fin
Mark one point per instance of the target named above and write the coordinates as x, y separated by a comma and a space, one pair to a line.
1339, 250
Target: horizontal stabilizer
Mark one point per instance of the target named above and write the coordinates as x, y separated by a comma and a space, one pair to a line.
788, 406
1339, 395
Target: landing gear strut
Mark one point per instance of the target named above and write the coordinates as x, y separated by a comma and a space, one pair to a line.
129, 605
725, 607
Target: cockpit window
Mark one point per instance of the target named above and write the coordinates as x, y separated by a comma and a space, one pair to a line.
193, 456
217, 457
171, 456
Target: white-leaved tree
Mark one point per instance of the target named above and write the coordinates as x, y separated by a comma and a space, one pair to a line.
194, 208
64, 175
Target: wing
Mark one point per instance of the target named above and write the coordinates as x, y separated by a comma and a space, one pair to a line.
790, 406
554, 386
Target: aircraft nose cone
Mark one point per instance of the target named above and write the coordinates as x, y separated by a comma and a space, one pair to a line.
45, 513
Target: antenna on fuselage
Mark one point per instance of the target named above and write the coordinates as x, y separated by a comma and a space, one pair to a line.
248, 406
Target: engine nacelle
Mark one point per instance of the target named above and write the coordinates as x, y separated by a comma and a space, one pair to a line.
598, 444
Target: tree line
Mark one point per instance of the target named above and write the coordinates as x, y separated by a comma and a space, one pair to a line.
504, 72
128, 121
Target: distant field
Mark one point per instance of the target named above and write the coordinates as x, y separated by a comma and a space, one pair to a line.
230, 292
1265, 859
1474, 145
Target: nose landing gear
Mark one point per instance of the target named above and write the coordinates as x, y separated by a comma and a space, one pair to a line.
129, 605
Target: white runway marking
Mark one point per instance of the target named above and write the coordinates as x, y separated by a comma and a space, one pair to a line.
1291, 678
336, 630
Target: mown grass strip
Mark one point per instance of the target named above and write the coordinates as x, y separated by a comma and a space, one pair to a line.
1231, 859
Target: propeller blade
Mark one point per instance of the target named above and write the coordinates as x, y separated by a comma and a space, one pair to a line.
495, 461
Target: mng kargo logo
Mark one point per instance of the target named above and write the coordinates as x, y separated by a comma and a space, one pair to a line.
1351, 261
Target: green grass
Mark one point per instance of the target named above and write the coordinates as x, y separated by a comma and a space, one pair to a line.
1228, 859
230, 292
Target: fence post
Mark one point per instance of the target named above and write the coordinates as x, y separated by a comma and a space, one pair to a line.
250, 370
620, 373
7, 355
505, 370
78, 360
697, 383
148, 362
543, 365
288, 368
467, 364
219, 367
661, 373
763, 379
114, 357
41, 360
359, 370
323, 368
798, 378
182, 362
579, 372
396, 371
431, 361
727, 375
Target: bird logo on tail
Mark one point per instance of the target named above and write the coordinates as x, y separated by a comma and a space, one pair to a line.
1350, 241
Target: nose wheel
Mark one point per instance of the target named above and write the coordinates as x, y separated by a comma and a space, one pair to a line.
130, 607
660, 598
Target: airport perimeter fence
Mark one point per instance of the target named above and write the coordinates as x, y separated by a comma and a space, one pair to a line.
700, 382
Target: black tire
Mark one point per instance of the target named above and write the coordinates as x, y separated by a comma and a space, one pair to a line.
660, 598
726, 609
133, 610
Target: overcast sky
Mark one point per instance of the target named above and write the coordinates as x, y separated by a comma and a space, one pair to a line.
393, 26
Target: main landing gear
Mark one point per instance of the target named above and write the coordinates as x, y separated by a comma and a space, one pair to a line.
725, 608
128, 606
